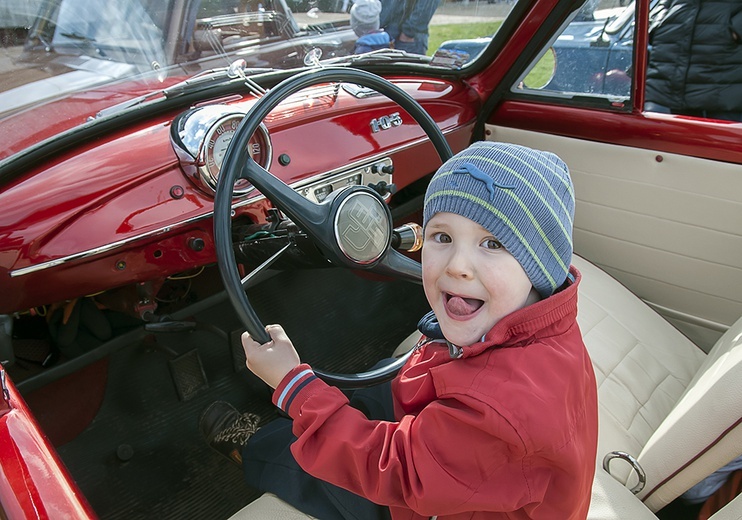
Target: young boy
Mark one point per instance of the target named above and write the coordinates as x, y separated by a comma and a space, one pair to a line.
364, 20
495, 413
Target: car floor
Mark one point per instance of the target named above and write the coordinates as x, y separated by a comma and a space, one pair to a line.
142, 455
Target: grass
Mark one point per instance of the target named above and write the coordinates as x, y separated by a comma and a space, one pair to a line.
459, 31
537, 77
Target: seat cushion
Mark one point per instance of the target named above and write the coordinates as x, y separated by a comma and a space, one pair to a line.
269, 506
611, 500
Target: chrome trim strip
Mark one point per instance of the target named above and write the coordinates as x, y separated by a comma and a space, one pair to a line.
102, 249
113, 245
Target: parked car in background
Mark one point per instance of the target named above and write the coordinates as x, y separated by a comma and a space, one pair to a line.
591, 55
162, 166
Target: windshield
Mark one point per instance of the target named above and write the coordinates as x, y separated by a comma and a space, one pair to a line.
79, 58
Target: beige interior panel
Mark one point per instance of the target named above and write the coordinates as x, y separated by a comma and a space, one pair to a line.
667, 226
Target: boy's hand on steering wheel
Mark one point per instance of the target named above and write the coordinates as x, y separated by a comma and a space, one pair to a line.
273, 360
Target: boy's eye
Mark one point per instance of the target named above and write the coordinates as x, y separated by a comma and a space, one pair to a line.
491, 243
441, 237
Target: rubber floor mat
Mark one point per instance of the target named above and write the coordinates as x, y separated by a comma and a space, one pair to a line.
142, 456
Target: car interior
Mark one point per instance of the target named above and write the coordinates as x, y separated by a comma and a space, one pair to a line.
149, 220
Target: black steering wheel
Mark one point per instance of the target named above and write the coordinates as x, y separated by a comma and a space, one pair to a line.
331, 224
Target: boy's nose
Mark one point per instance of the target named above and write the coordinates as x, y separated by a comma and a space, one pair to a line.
459, 264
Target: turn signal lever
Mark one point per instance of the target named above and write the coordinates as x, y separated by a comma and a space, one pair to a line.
407, 237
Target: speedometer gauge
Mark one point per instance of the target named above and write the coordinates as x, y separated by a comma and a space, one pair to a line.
201, 137
214, 147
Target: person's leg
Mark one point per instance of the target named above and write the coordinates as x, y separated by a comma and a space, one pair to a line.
270, 467
726, 116
414, 47
375, 402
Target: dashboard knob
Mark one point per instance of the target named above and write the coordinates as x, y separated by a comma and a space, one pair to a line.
196, 243
382, 188
382, 168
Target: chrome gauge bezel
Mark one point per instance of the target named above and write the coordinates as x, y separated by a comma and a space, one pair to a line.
209, 167
197, 133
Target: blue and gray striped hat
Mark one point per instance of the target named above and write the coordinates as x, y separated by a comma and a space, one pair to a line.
524, 197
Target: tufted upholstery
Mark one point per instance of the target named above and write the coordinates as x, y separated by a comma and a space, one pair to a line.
661, 399
642, 364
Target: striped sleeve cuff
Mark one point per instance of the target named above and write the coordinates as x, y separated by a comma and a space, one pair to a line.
291, 385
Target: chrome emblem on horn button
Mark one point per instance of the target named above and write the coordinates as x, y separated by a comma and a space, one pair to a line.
362, 228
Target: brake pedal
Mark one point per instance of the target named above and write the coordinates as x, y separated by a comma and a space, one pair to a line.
188, 374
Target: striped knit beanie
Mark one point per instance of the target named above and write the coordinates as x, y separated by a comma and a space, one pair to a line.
523, 197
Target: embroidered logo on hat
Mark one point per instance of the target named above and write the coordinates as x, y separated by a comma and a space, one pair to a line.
481, 176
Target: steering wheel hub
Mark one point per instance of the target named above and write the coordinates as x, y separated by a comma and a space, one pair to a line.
362, 226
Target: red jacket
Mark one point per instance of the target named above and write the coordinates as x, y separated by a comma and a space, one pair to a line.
507, 431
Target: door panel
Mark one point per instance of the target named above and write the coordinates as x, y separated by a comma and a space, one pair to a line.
668, 226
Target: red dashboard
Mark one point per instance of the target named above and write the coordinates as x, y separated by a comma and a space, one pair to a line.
122, 209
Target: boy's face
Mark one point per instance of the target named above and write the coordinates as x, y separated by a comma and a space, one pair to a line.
471, 281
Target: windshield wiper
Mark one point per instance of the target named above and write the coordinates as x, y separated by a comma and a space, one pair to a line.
84, 40
381, 56
207, 78
201, 81
76, 36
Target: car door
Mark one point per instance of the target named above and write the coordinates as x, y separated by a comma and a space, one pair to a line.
659, 196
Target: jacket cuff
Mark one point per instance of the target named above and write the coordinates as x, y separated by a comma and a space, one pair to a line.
301, 377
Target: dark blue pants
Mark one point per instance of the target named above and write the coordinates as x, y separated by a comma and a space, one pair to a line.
270, 467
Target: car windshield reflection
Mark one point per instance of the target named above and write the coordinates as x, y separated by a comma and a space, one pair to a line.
92, 28
98, 56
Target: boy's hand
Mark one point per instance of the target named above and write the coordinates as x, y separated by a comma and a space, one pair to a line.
273, 360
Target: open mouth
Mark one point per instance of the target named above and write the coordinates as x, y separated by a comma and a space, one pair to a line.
461, 306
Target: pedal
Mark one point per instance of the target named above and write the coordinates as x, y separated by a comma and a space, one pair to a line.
188, 374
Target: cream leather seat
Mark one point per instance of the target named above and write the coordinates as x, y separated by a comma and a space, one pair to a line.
662, 400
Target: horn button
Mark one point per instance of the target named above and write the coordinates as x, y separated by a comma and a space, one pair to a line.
362, 227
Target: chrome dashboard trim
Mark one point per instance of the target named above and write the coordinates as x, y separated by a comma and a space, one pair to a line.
105, 248
23, 271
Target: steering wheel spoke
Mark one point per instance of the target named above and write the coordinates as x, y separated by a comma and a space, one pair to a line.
302, 211
400, 266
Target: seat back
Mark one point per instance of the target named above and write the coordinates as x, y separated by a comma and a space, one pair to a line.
703, 432
661, 399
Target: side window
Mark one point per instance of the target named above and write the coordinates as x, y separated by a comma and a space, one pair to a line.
695, 59
592, 57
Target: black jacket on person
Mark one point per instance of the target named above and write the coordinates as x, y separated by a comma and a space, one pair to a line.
695, 61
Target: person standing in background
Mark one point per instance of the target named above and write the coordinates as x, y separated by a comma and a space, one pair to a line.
364, 20
695, 59
407, 21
